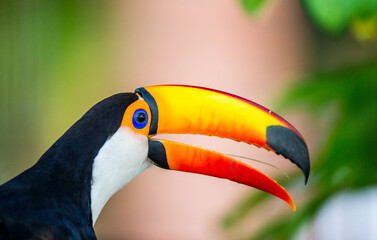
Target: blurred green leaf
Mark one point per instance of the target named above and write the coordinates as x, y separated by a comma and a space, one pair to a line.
359, 17
365, 29
253, 6
337, 16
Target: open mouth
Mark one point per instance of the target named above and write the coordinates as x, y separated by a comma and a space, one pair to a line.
193, 110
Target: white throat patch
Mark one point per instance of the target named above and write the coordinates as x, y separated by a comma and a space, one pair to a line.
121, 159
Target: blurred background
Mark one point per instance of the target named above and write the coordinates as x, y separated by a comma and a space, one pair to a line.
312, 61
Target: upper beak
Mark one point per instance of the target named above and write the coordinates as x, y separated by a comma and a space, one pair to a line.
194, 110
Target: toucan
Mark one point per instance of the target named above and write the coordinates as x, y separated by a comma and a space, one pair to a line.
61, 196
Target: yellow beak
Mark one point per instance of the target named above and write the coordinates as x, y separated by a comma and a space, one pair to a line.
195, 110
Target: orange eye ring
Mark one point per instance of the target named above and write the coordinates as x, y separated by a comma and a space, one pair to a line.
137, 117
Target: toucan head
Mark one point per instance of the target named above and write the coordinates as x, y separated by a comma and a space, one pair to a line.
176, 109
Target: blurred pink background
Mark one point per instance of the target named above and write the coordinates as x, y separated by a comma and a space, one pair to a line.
212, 44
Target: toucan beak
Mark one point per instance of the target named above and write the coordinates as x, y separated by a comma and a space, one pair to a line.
194, 110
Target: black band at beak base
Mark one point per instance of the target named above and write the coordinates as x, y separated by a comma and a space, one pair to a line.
153, 106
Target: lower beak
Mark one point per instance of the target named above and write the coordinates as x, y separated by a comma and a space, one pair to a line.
193, 110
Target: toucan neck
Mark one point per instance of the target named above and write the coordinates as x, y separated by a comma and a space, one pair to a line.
65, 170
68, 165
60, 182
121, 159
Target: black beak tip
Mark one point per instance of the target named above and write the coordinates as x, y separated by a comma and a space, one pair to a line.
287, 143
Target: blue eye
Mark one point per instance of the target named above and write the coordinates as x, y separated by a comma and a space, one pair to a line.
140, 119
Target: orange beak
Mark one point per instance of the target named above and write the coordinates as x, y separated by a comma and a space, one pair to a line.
193, 110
